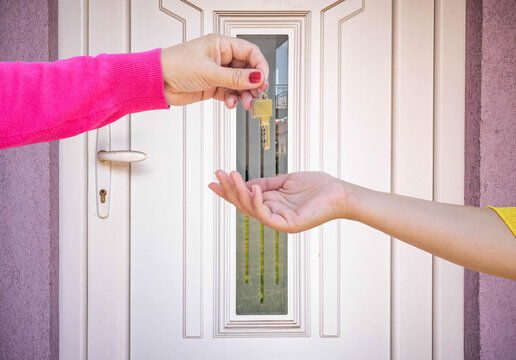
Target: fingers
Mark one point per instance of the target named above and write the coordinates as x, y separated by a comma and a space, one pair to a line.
233, 189
229, 189
236, 79
231, 99
232, 49
222, 95
252, 202
243, 194
268, 184
243, 65
217, 189
263, 87
227, 185
263, 213
246, 95
246, 99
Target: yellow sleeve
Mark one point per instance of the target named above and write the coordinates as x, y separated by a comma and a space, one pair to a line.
508, 215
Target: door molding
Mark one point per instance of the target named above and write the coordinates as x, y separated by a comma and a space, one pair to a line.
193, 186
330, 234
297, 26
73, 202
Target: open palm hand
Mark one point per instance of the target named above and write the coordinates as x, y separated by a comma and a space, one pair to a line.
290, 203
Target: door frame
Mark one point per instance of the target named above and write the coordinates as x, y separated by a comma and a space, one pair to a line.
447, 180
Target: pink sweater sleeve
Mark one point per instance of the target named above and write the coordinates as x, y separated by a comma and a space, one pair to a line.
50, 101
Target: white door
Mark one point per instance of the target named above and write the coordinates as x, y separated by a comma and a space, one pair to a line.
171, 271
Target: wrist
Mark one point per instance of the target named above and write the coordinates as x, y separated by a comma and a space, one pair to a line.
343, 202
349, 200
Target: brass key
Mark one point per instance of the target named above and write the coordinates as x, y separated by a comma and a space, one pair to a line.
262, 108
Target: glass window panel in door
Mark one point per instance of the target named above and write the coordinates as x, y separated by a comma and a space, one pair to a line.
261, 253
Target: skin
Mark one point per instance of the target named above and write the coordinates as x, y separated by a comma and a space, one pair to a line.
472, 237
218, 67
213, 66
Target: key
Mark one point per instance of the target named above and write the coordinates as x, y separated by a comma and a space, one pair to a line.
261, 108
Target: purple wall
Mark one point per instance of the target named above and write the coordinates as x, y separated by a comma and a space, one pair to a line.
29, 326
472, 166
490, 302
497, 297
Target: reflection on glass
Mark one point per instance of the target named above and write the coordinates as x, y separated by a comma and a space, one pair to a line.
261, 253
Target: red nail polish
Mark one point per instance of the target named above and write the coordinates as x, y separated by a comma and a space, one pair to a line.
255, 77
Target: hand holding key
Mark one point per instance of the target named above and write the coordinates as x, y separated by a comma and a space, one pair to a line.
213, 66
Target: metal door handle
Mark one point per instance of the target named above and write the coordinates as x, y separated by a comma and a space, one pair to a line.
121, 156
104, 159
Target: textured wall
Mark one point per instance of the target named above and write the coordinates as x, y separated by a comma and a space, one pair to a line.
472, 165
497, 297
29, 204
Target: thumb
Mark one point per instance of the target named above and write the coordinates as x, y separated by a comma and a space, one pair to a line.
236, 79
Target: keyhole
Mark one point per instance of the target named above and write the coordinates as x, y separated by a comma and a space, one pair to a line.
102, 194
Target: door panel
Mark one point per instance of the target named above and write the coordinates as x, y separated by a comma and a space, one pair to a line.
157, 225
108, 238
413, 154
160, 323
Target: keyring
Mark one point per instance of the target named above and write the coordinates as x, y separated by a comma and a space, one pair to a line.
259, 92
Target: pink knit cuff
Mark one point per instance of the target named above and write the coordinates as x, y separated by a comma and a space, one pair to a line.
136, 81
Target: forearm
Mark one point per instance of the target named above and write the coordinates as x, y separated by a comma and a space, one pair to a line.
50, 101
472, 237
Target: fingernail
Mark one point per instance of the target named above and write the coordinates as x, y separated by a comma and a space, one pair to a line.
255, 77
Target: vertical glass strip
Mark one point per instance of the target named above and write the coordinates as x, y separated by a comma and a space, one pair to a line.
247, 249
261, 252
276, 257
262, 280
